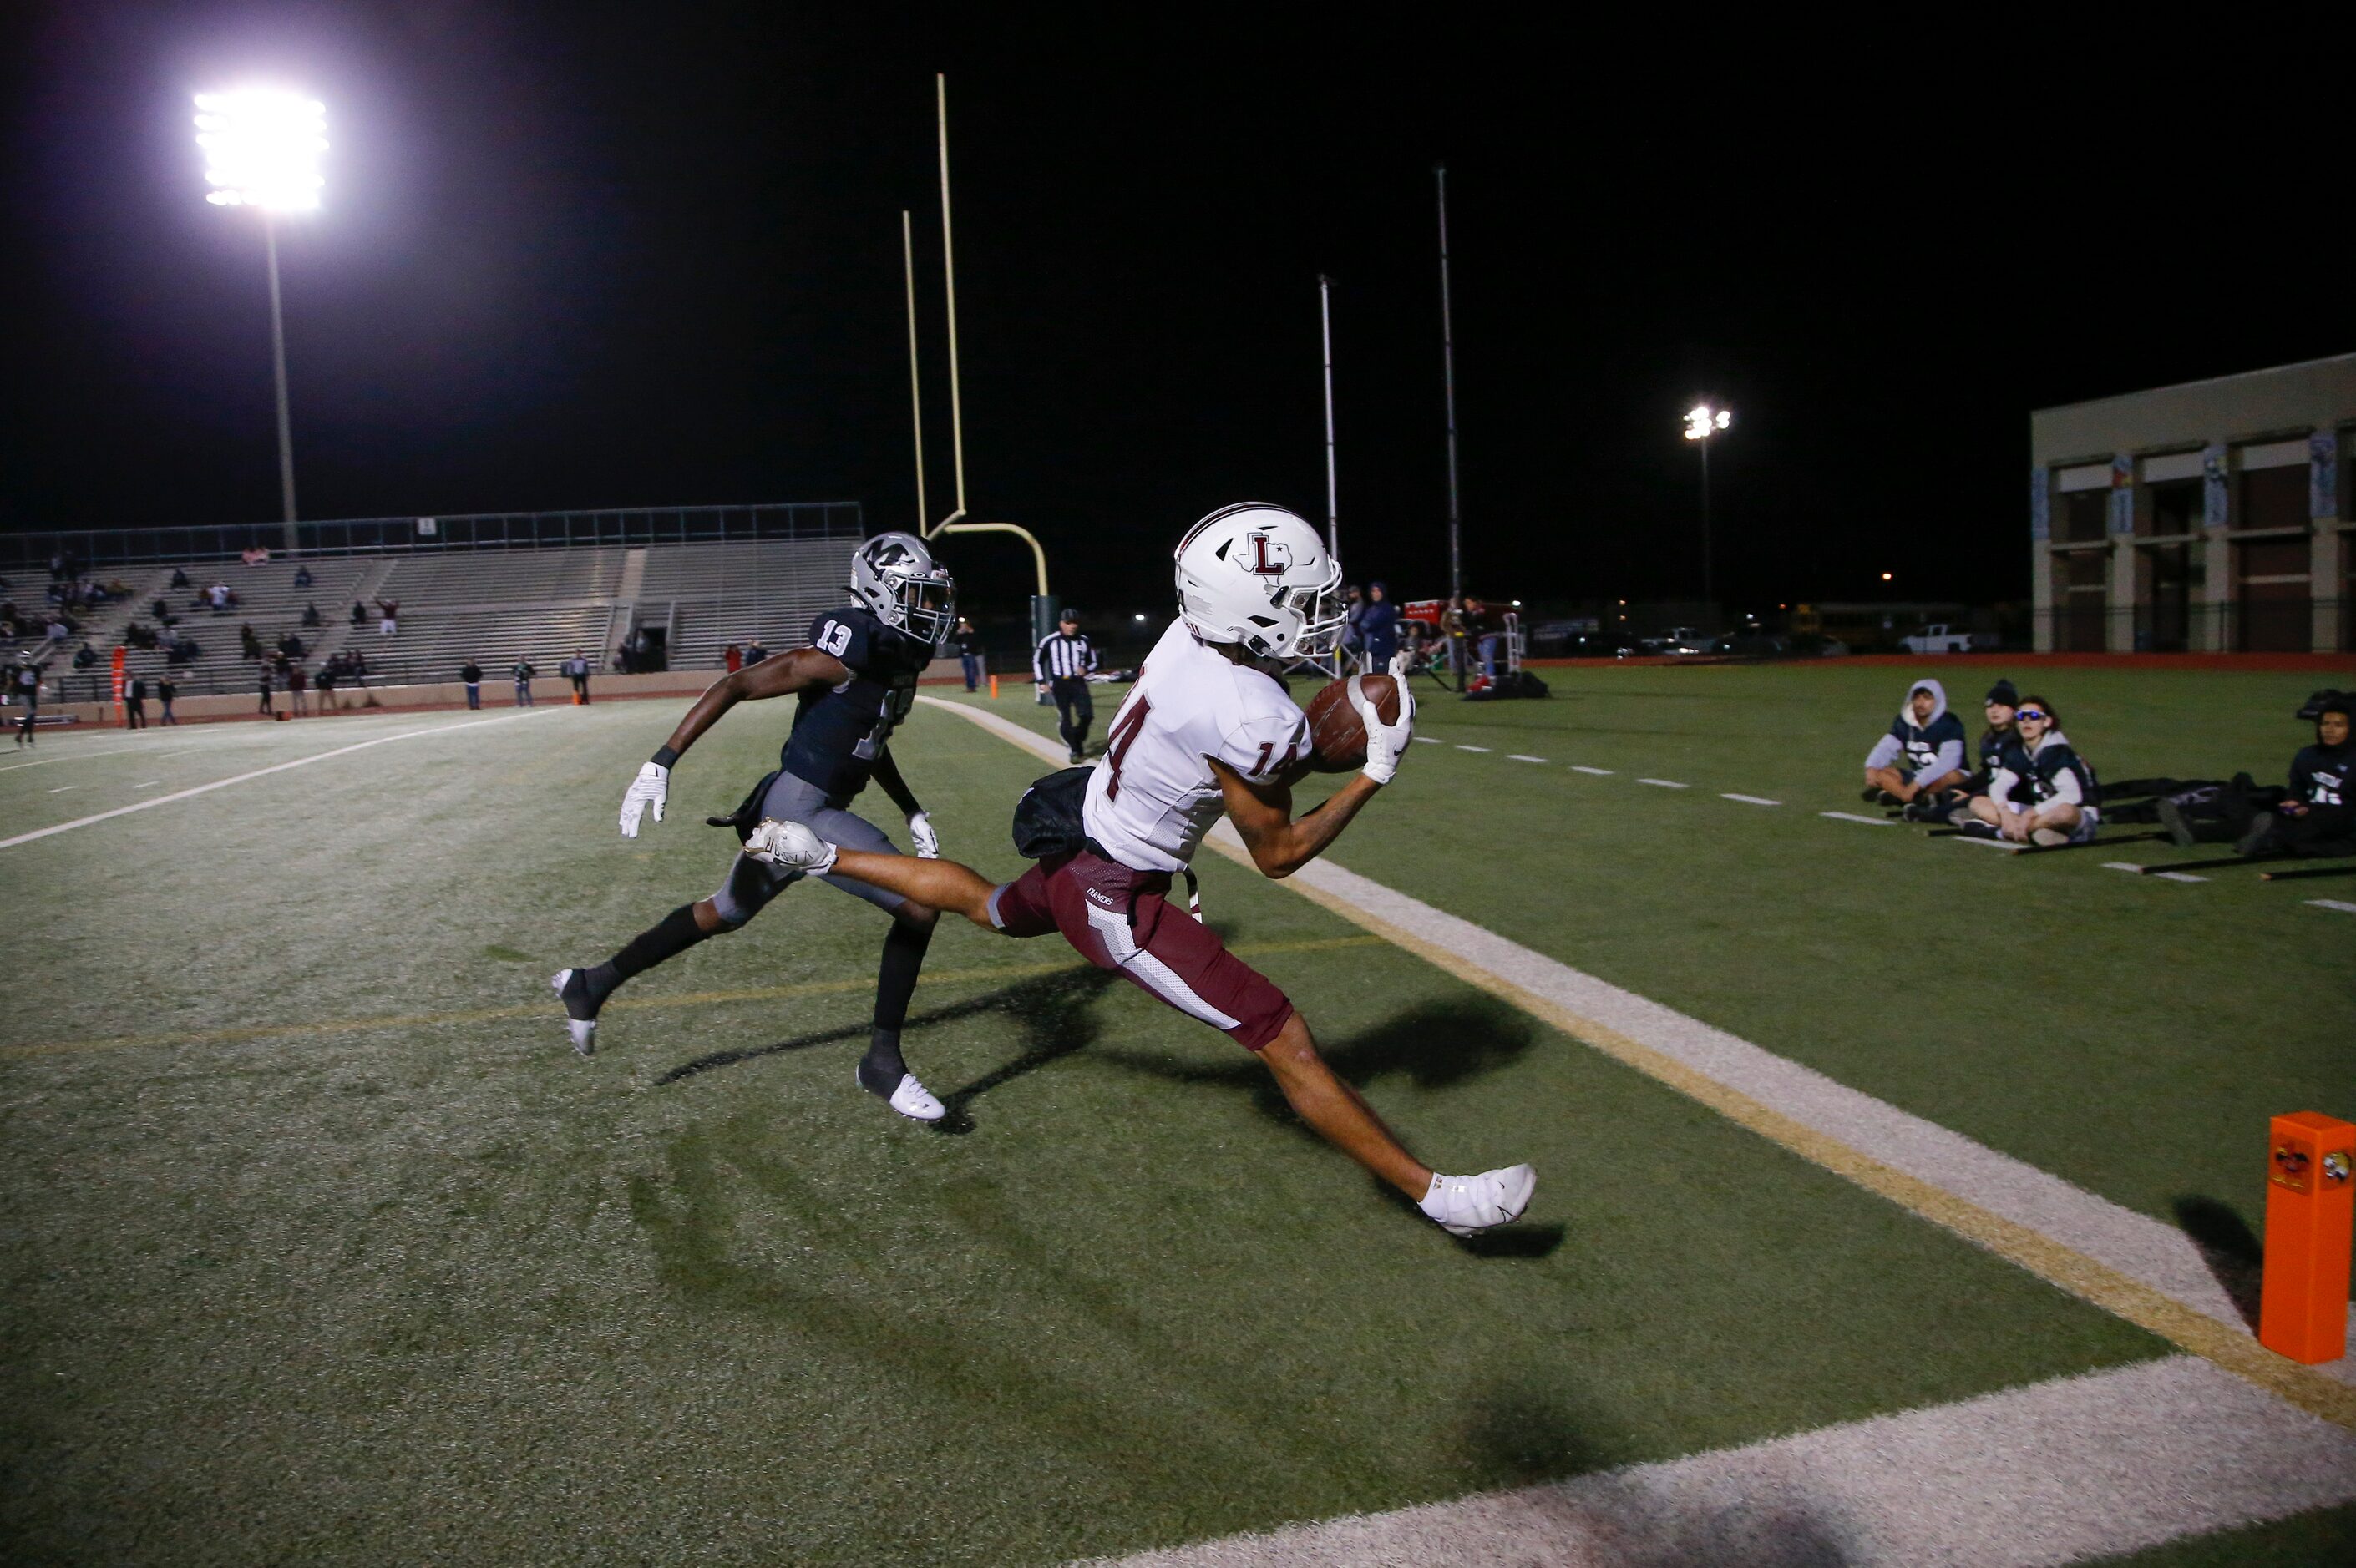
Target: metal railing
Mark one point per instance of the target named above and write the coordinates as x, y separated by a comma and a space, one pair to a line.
93, 548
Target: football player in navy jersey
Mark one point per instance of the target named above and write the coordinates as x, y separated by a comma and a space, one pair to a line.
853, 687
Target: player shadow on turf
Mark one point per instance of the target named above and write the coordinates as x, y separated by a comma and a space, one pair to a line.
1053, 1010
1436, 1046
2235, 1256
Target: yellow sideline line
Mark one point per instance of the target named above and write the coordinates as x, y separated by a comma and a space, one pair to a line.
625, 1004
2065, 1267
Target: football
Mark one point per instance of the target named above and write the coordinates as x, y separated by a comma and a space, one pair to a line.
1337, 741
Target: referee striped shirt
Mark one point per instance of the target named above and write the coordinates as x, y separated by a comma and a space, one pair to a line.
1059, 657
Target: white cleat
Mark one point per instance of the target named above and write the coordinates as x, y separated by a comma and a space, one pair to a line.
915, 1101
1464, 1205
582, 1031
790, 846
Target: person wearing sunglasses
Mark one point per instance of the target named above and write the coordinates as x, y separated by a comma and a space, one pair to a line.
2057, 800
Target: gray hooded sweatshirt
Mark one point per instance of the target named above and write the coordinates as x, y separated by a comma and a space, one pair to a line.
1931, 749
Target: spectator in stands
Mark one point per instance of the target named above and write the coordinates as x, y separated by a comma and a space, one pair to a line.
523, 672
219, 598
1921, 753
471, 674
165, 691
360, 612
388, 617
969, 647
249, 644
753, 652
356, 666
291, 646
621, 663
576, 670
160, 610
298, 687
85, 656
732, 658
310, 614
179, 577
134, 703
58, 630
2058, 801
301, 576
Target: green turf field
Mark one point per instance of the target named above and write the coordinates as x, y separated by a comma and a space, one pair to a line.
320, 1245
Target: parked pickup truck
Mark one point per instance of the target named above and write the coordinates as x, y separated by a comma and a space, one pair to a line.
1943, 638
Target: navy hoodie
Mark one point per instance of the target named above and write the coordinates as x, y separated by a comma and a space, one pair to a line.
1929, 750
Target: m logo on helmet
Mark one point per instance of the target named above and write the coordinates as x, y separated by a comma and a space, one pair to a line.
1268, 558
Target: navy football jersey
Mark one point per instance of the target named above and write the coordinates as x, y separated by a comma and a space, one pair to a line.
840, 730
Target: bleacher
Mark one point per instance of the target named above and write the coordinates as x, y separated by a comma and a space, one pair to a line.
492, 606
710, 595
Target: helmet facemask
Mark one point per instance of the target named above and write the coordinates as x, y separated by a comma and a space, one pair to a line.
927, 605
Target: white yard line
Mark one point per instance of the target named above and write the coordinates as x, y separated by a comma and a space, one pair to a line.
151, 783
2122, 865
2139, 1267
2093, 1465
2006, 845
1429, 741
73, 757
2177, 877
2333, 903
62, 788
1599, 772
1751, 799
1853, 816
1518, 757
259, 773
1664, 783
1465, 748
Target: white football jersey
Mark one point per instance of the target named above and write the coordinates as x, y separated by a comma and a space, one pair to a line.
1152, 796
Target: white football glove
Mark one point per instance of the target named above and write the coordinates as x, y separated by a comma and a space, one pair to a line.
928, 842
789, 847
1386, 743
651, 787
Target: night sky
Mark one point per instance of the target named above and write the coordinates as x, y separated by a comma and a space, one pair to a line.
599, 256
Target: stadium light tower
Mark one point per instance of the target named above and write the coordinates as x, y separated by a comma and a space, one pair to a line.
262, 150
1702, 421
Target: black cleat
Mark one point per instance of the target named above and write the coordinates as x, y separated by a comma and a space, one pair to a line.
2171, 816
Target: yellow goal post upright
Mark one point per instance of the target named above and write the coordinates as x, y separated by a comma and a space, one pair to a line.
1042, 605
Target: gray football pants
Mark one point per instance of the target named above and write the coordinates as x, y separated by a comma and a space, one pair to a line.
751, 884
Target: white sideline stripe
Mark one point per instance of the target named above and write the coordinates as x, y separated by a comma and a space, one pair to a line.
2008, 847
2146, 1250
1751, 799
1518, 757
1599, 772
2178, 877
1664, 783
62, 788
258, 772
2333, 903
1461, 746
76, 757
1427, 741
2098, 1464
1853, 816
2122, 865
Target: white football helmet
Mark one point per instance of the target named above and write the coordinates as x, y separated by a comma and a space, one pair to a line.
895, 577
1259, 575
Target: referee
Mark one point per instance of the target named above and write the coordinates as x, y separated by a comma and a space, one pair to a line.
1061, 665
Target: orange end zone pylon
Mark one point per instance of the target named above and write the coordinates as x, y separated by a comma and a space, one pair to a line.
2310, 1215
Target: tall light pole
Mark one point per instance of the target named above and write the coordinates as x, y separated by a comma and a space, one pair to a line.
262, 150
1702, 421
1332, 506
1448, 372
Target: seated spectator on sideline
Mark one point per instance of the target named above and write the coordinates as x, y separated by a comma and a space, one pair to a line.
2317, 817
1999, 745
1922, 753
310, 614
2058, 801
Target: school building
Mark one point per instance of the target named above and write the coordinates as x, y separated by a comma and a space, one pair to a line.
2212, 518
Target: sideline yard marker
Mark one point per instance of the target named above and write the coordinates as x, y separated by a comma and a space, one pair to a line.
1461, 747
1518, 757
2176, 876
2310, 1217
1751, 799
2333, 903
1853, 816
1599, 772
1664, 783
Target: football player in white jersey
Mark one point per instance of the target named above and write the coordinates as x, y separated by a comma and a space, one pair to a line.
1208, 729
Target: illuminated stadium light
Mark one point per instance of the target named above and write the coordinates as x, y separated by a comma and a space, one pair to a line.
262, 149
1702, 421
